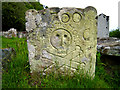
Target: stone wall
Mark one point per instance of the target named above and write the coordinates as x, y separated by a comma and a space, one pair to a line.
13, 33
103, 26
109, 46
62, 38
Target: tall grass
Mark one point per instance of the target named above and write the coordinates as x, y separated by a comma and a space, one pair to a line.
17, 74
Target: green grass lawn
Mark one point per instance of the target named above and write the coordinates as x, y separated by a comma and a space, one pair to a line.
17, 73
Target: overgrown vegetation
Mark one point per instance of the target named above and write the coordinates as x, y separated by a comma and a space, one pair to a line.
13, 14
17, 74
115, 33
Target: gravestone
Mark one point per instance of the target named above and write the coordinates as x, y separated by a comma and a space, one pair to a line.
5, 34
24, 34
12, 33
103, 26
6, 55
20, 35
62, 38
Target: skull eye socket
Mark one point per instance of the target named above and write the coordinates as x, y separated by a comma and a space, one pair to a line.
65, 35
57, 35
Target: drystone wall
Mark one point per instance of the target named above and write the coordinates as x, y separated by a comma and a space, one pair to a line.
62, 38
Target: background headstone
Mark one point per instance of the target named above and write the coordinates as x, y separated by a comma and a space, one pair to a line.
12, 33
5, 56
20, 35
103, 26
5, 34
60, 38
24, 34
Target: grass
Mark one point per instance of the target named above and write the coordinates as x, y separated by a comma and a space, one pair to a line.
17, 74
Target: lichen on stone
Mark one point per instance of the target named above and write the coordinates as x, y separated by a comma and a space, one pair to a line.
62, 37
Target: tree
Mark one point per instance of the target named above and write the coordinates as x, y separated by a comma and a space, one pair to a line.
13, 14
115, 33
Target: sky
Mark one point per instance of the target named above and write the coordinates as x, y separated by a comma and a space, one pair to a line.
107, 7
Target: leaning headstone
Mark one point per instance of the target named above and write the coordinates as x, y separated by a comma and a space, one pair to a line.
103, 26
5, 56
62, 38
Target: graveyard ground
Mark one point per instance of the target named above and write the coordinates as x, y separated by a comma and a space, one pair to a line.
16, 72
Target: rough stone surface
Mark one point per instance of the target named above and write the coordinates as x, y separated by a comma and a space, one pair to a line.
12, 33
109, 46
5, 55
62, 37
22, 34
5, 34
103, 26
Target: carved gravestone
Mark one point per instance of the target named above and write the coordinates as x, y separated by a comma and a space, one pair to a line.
60, 38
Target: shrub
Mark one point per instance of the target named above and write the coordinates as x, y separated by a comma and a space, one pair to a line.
115, 33
13, 14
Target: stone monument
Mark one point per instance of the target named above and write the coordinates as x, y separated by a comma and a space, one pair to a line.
62, 38
12, 33
103, 26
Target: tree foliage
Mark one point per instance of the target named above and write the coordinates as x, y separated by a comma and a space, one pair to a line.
115, 33
13, 14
